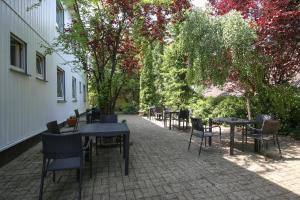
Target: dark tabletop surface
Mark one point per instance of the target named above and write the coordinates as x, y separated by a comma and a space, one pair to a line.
232, 120
104, 129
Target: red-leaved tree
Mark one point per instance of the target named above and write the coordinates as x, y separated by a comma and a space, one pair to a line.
278, 29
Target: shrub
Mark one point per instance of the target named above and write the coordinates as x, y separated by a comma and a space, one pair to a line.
222, 106
129, 109
230, 106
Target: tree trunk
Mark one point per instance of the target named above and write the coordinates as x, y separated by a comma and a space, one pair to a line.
248, 105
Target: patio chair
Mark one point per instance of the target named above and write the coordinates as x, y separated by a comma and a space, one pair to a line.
95, 116
53, 128
202, 132
268, 132
109, 119
158, 112
259, 120
183, 117
62, 152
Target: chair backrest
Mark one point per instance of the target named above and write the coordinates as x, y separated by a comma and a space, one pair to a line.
109, 118
61, 146
184, 113
77, 113
259, 120
270, 127
159, 109
95, 113
53, 127
197, 124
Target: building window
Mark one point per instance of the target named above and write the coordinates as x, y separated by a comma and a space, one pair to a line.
60, 84
74, 88
17, 53
84, 92
59, 16
40, 66
80, 87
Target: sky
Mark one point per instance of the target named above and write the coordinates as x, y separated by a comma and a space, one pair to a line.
199, 3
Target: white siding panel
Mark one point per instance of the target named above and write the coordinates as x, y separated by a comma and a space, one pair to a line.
26, 103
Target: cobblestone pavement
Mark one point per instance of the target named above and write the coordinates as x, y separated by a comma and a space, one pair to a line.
161, 167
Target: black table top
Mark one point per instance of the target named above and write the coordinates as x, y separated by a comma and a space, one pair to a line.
232, 120
104, 129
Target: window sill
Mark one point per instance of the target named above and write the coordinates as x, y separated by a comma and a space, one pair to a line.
41, 79
18, 70
61, 101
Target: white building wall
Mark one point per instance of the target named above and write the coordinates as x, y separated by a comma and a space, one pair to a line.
26, 103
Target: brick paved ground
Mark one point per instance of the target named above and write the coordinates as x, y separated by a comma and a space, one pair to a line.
162, 168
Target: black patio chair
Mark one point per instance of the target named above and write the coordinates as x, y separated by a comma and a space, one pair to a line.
268, 132
62, 152
158, 112
53, 128
95, 115
183, 116
259, 120
109, 119
202, 132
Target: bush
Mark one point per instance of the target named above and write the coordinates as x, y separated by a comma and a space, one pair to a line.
230, 106
129, 109
222, 106
281, 102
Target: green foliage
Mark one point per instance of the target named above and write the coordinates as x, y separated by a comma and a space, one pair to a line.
148, 95
130, 109
222, 106
203, 42
282, 102
176, 91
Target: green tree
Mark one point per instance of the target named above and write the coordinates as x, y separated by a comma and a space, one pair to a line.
220, 51
176, 91
147, 87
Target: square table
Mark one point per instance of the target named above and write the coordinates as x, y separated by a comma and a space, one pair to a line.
109, 130
232, 122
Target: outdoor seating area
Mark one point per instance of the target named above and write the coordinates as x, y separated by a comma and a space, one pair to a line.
262, 130
161, 167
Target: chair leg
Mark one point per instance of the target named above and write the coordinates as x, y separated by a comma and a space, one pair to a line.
201, 145
243, 132
120, 143
220, 142
265, 148
91, 158
96, 146
42, 181
277, 141
80, 183
53, 177
190, 141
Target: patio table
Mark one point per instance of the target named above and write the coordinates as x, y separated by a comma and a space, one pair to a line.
170, 113
109, 130
232, 122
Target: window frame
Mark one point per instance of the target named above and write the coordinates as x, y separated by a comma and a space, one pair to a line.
60, 22
80, 85
43, 75
84, 92
74, 88
22, 60
63, 87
